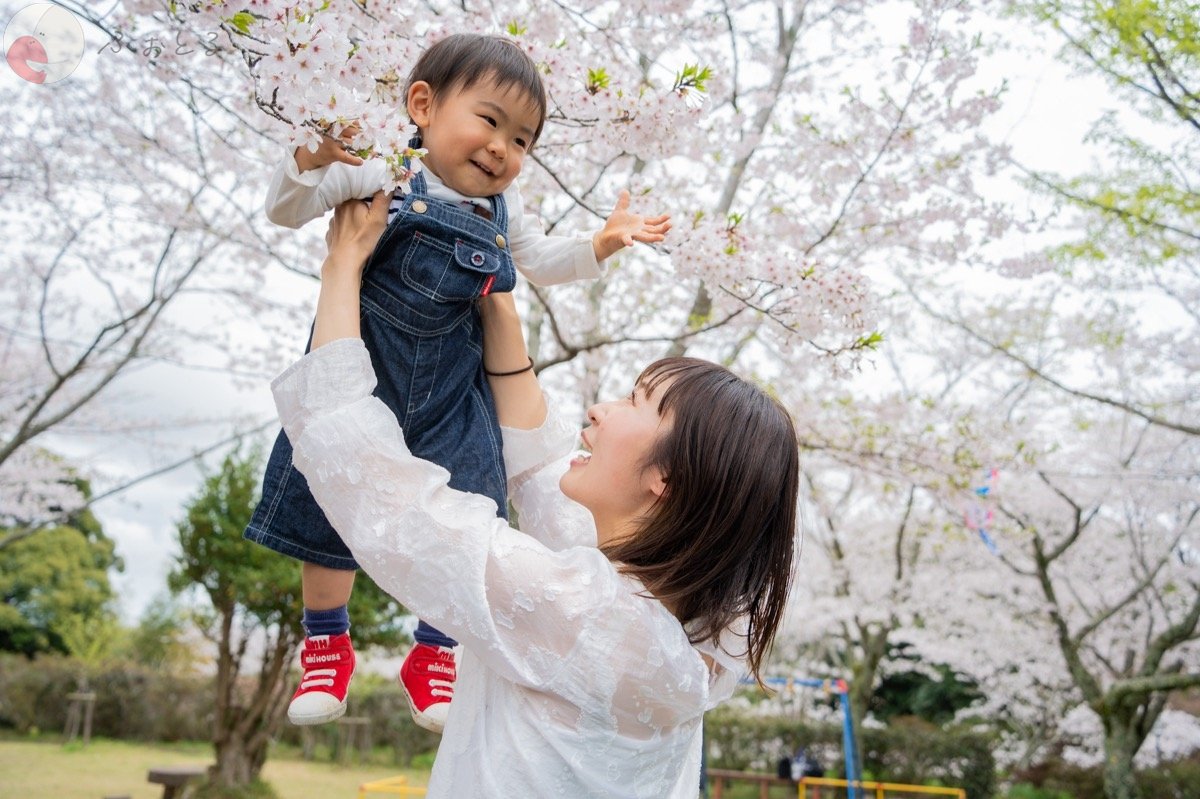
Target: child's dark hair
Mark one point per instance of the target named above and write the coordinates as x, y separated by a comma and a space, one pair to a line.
463, 59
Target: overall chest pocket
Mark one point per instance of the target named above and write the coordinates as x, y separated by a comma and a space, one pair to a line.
450, 272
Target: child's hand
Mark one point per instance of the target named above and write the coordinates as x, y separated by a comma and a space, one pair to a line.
623, 228
329, 151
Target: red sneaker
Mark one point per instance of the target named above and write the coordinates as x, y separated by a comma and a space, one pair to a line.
328, 664
427, 677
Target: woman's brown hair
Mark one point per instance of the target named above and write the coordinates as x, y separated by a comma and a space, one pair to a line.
718, 544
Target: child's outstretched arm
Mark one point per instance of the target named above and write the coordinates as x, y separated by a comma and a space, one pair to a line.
623, 228
306, 185
551, 260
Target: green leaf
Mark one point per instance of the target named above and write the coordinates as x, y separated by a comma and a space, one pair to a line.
242, 20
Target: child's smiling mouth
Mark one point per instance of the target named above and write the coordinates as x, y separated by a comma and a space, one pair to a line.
484, 169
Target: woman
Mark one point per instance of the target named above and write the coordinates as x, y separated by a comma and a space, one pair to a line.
593, 642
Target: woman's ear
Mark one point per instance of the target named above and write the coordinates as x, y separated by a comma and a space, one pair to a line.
420, 103
656, 482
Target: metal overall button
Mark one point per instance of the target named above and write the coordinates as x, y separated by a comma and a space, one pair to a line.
477, 258
500, 242
419, 206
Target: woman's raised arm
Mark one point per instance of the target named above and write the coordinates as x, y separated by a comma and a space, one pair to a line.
518, 396
352, 235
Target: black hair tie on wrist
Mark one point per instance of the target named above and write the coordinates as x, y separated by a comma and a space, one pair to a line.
522, 370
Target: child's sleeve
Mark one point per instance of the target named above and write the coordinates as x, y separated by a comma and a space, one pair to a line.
546, 260
295, 198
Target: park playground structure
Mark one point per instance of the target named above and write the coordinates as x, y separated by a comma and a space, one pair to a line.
852, 787
393, 786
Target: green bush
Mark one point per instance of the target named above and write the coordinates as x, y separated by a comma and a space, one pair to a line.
907, 751
1027, 791
1179, 779
913, 751
133, 702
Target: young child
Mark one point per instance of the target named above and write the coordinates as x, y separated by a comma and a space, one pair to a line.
479, 105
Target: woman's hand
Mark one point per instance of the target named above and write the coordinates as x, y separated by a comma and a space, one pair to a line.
352, 236
354, 231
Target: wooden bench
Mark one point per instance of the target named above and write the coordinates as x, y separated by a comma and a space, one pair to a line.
176, 779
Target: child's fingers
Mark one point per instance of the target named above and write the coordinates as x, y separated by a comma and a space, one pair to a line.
622, 201
347, 157
658, 220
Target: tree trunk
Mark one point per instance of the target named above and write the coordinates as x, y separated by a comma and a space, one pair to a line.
248, 715
239, 762
1121, 743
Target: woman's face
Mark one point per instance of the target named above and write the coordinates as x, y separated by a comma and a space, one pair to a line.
609, 479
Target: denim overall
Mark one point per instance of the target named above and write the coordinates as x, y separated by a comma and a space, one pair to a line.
421, 327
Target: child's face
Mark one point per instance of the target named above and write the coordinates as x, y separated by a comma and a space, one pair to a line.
477, 137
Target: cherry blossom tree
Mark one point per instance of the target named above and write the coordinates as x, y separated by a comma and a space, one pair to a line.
1101, 342
801, 147
133, 239
795, 144
961, 505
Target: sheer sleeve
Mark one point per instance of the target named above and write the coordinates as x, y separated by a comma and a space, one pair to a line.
514, 602
535, 460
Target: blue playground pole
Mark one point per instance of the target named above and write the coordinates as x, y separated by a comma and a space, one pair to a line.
849, 744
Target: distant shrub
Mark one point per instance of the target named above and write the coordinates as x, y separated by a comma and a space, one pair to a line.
907, 751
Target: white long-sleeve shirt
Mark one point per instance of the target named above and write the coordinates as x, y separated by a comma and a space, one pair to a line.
572, 682
295, 198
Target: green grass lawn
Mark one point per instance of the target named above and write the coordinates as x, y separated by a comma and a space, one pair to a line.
48, 770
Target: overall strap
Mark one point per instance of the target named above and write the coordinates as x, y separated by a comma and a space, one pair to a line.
500, 213
418, 180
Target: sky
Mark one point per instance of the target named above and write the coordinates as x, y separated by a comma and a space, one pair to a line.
1046, 114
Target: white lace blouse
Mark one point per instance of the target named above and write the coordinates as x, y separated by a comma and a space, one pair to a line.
572, 682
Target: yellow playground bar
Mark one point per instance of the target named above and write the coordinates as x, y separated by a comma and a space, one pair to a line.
810, 788
393, 786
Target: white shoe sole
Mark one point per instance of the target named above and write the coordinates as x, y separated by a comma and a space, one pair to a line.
422, 720
306, 720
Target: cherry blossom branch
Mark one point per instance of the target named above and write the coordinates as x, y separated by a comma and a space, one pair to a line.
1040, 374
26, 530
1123, 213
30, 426
1163, 93
570, 351
787, 36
